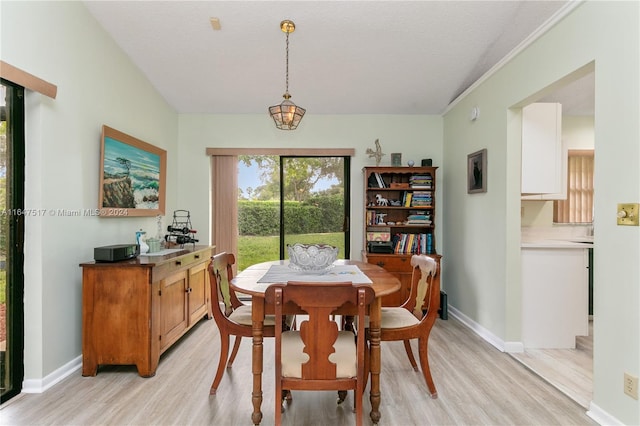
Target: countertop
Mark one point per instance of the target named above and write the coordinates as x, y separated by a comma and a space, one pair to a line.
554, 239
557, 244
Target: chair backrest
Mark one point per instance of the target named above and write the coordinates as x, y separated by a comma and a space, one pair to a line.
425, 291
224, 300
319, 332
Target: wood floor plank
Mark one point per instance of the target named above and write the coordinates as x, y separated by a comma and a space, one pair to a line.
477, 385
569, 370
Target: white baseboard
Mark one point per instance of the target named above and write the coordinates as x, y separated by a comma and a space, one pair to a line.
487, 335
601, 416
41, 385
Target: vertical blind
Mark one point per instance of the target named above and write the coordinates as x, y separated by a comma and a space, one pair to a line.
578, 207
224, 197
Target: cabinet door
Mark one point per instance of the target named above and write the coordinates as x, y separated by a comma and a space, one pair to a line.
173, 308
541, 149
198, 292
400, 267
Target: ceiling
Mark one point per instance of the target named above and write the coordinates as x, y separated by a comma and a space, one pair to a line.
345, 57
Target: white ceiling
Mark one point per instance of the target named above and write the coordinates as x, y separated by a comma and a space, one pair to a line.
345, 57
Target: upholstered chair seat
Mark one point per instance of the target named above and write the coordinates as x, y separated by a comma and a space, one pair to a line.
344, 357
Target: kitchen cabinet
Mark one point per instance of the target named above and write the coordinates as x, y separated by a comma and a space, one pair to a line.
544, 158
555, 294
399, 221
134, 310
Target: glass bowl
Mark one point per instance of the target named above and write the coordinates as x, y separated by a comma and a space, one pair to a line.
311, 257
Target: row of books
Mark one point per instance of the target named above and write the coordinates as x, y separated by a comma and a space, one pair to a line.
419, 218
376, 181
421, 198
421, 181
412, 243
415, 181
417, 198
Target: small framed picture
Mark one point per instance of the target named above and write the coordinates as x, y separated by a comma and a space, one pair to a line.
396, 159
477, 172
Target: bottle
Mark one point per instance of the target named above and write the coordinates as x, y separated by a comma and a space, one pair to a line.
144, 247
183, 230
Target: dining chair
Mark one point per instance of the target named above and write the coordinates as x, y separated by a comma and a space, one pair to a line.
232, 317
415, 318
318, 356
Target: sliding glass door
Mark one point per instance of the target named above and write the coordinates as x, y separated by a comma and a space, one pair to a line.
289, 199
314, 206
11, 239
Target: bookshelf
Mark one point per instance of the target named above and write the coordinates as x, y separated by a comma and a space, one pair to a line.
400, 209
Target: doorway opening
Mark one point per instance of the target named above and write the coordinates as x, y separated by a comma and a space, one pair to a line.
568, 369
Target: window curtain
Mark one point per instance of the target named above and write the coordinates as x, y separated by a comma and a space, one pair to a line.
578, 207
224, 203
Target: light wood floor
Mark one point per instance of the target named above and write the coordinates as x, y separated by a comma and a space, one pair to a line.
569, 370
477, 385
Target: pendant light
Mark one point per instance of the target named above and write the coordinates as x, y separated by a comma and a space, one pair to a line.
287, 115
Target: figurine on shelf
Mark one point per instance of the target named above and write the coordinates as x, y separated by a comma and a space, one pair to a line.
381, 200
377, 154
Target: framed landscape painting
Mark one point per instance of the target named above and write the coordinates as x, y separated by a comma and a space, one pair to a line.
132, 176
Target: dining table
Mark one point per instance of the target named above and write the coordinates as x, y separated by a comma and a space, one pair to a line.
254, 281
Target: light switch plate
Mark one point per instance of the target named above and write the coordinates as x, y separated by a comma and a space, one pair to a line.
628, 214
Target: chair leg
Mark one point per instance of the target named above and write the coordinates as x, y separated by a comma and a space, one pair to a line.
358, 394
367, 366
234, 352
279, 408
224, 352
424, 363
412, 360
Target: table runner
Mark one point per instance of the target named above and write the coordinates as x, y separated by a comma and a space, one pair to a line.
339, 273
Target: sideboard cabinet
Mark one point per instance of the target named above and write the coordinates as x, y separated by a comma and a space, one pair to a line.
134, 310
399, 221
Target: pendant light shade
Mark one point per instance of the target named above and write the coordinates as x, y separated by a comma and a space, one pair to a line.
287, 115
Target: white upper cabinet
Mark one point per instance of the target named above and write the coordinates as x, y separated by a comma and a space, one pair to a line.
543, 157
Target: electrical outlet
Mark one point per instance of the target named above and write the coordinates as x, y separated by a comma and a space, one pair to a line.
631, 385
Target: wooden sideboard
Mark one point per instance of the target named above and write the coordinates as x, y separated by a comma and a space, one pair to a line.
134, 310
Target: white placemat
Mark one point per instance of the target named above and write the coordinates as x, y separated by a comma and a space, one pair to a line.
339, 273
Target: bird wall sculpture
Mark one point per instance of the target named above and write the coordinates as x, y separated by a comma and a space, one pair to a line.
377, 154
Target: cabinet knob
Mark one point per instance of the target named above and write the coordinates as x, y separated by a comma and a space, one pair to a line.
188, 290
380, 264
178, 262
197, 256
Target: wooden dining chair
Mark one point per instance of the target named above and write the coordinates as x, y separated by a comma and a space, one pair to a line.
318, 356
416, 317
231, 315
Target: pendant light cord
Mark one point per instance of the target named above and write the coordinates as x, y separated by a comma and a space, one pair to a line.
287, 62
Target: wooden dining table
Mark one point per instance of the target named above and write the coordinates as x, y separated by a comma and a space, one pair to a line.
250, 282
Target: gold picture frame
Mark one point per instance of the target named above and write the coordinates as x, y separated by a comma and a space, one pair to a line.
132, 176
